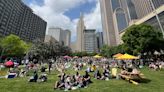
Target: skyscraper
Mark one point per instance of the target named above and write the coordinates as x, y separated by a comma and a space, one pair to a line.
80, 34
107, 21
62, 36
86, 38
115, 17
67, 37
17, 18
90, 41
99, 36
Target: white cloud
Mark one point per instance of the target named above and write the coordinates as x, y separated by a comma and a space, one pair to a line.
93, 19
53, 11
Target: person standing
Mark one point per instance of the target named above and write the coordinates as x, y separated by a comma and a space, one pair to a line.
49, 66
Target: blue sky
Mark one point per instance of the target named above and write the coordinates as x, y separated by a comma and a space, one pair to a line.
75, 12
40, 2
72, 13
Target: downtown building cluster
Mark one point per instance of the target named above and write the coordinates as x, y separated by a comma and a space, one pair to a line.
60, 35
17, 18
118, 15
87, 39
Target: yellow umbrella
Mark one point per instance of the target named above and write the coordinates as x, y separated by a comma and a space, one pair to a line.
126, 57
117, 55
97, 56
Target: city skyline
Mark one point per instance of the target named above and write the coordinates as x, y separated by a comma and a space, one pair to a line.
72, 13
68, 13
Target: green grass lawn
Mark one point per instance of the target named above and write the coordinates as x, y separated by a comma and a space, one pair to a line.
156, 84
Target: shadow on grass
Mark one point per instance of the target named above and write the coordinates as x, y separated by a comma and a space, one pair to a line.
145, 81
142, 80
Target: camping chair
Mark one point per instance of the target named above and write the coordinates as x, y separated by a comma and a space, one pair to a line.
114, 72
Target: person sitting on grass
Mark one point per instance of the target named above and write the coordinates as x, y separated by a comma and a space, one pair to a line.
43, 69
81, 82
135, 71
105, 75
153, 66
22, 73
88, 69
73, 82
97, 75
67, 83
87, 78
93, 68
34, 78
124, 72
60, 84
77, 75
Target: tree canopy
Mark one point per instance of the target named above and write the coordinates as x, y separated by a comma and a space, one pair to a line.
12, 45
42, 51
142, 38
109, 51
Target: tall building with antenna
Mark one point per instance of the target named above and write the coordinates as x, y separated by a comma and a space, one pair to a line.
80, 34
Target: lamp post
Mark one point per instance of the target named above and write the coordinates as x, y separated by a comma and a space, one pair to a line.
156, 14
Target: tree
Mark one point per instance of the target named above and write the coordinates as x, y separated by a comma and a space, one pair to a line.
109, 51
142, 38
0, 45
12, 45
105, 51
39, 50
42, 51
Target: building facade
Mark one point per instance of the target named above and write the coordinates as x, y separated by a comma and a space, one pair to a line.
67, 37
99, 38
62, 36
86, 38
116, 16
17, 18
144, 7
150, 19
90, 41
107, 22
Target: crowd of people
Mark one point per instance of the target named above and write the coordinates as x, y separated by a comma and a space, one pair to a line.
100, 68
158, 65
71, 82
